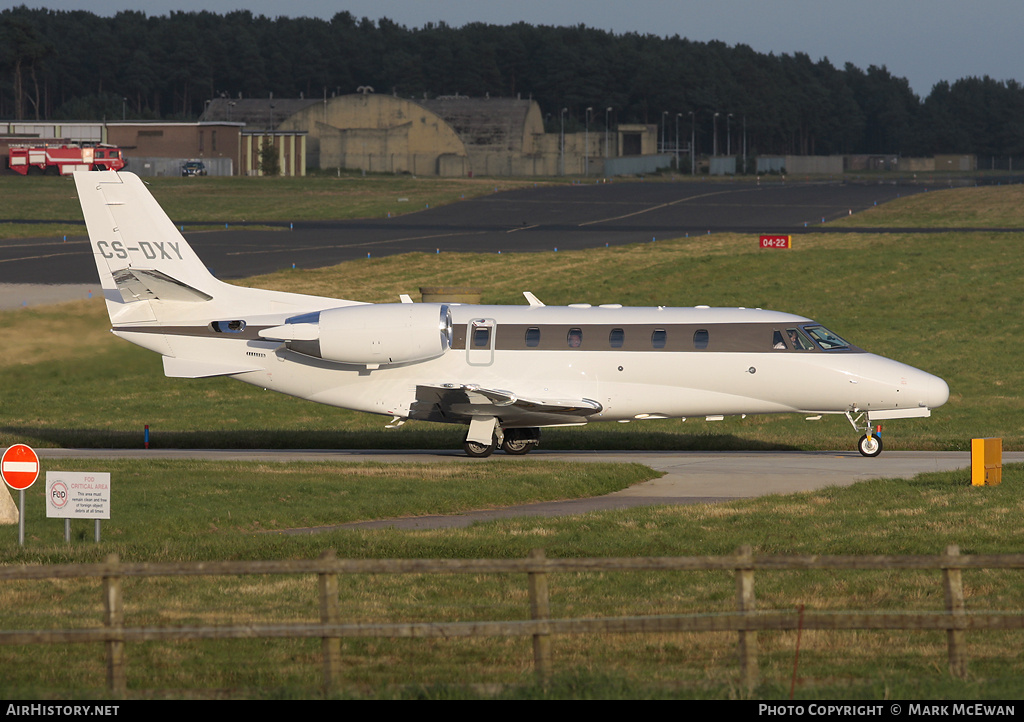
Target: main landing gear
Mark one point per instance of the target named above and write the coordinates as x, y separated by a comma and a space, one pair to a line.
515, 442
870, 444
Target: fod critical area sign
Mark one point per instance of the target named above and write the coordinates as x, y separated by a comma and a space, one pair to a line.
77, 495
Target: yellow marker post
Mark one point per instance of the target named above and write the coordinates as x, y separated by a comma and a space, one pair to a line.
986, 462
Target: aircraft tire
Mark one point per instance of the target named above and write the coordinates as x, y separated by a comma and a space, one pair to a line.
520, 441
478, 451
518, 447
870, 445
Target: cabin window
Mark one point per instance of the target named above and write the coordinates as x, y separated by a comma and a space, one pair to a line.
616, 337
777, 341
100, 154
825, 338
700, 338
659, 338
798, 341
481, 337
228, 326
574, 338
532, 337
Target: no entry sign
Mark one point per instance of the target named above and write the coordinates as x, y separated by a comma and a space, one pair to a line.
19, 467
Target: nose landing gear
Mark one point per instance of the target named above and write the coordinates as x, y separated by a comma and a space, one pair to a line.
870, 444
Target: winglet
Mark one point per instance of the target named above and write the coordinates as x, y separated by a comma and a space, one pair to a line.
533, 300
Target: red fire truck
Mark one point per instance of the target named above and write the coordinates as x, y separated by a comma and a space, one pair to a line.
64, 158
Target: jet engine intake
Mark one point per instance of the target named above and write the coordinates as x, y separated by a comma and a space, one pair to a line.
371, 335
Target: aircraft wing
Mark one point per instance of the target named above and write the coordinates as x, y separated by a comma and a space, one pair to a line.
460, 403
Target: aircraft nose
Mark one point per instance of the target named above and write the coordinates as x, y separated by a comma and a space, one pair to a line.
898, 385
933, 391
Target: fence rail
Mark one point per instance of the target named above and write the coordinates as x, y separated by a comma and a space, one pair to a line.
746, 621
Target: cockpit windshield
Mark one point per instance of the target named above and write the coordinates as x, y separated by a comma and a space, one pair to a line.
825, 338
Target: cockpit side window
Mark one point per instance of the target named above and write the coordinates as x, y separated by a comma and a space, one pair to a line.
798, 340
825, 338
777, 341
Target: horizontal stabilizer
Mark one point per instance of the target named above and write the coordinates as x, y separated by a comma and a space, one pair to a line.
184, 368
139, 284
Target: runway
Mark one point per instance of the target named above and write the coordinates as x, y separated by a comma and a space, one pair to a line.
566, 217
690, 477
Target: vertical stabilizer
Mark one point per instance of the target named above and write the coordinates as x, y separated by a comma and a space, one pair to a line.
140, 256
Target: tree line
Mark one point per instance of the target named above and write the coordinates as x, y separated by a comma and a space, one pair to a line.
75, 65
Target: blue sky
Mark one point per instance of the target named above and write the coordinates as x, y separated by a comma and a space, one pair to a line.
924, 41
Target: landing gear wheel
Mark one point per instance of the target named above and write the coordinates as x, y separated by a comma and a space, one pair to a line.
478, 450
520, 441
870, 445
518, 447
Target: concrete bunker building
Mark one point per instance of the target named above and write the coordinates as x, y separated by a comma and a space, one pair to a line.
447, 136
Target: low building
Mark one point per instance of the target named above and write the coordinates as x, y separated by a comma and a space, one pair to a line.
157, 148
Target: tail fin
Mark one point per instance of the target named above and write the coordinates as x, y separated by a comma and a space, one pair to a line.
139, 254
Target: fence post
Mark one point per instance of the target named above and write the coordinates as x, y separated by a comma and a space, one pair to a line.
540, 609
747, 644
113, 620
329, 614
952, 582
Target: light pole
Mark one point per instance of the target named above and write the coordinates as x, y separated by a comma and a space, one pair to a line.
693, 143
563, 139
714, 133
607, 112
728, 134
586, 135
664, 115
744, 145
678, 116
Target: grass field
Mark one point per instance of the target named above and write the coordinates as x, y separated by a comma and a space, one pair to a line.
170, 512
944, 302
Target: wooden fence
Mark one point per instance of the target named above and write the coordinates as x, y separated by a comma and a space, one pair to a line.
746, 621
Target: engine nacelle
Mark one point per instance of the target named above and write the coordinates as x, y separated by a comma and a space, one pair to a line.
371, 335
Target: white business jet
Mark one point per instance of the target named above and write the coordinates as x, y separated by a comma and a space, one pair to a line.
502, 371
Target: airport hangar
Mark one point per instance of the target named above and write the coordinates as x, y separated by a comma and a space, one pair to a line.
447, 136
